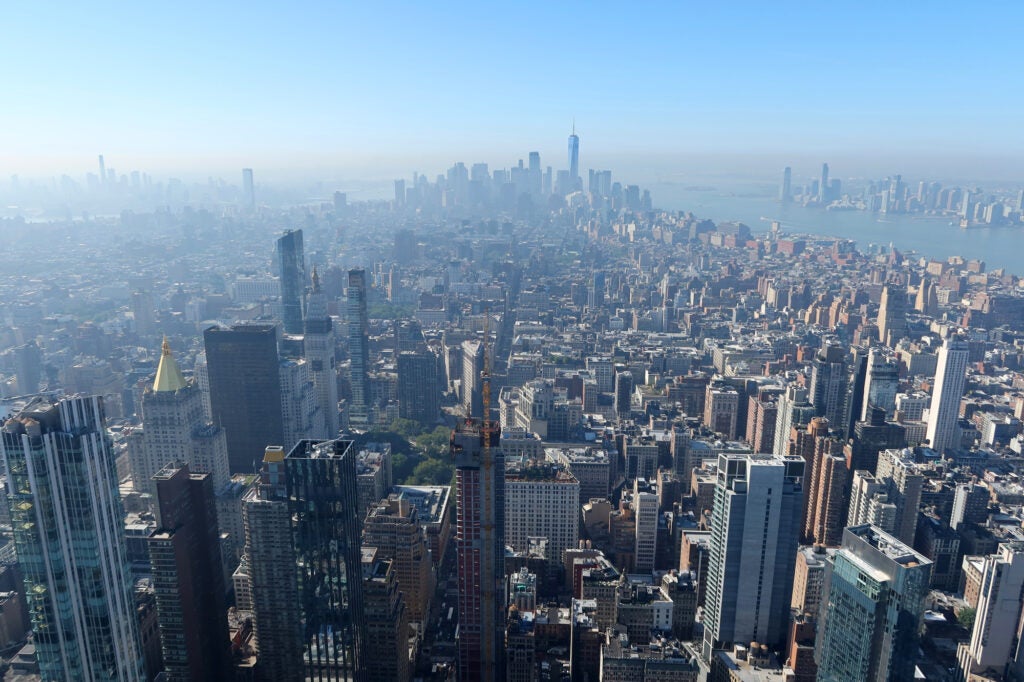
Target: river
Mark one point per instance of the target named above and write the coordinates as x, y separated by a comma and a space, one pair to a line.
999, 247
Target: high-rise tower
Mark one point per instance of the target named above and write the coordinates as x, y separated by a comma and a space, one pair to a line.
950, 377
786, 191
480, 543
892, 314
823, 193
881, 383
291, 263
755, 529
248, 189
574, 157
245, 390
69, 534
188, 577
358, 347
875, 589
318, 346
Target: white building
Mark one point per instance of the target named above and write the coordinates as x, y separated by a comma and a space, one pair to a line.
949, 388
542, 500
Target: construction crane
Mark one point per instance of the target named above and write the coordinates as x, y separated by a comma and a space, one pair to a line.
489, 667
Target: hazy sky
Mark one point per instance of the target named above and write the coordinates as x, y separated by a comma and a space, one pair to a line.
390, 87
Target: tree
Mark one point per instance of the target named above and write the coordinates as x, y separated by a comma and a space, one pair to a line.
432, 472
435, 443
966, 617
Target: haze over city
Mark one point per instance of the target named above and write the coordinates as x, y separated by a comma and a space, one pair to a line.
371, 91
532, 342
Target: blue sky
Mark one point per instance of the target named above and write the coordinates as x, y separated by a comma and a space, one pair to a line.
380, 86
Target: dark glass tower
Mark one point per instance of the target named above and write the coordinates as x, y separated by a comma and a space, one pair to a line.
245, 390
417, 386
291, 262
320, 480
358, 346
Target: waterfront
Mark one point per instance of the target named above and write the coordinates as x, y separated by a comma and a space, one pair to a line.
930, 236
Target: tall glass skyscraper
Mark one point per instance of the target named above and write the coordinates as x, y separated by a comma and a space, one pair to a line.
291, 261
304, 564
358, 340
876, 587
69, 534
574, 157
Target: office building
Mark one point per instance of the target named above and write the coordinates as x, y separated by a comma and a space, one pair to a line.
970, 504
870, 621
418, 392
291, 270
823, 194
755, 523
245, 390
272, 574
794, 410
175, 430
393, 528
248, 188
950, 377
828, 383
892, 314
993, 647
542, 500
574, 159
881, 384
318, 347
358, 348
480, 548
721, 410
785, 190
387, 622
472, 384
301, 416
68, 527
623, 394
644, 503
188, 577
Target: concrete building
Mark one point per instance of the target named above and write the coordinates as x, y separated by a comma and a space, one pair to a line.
542, 500
944, 412
590, 466
993, 650
755, 526
392, 526
387, 623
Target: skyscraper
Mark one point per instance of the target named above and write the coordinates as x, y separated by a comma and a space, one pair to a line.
993, 642
892, 314
291, 265
755, 528
875, 587
323, 504
944, 412
828, 383
472, 386
175, 430
188, 577
273, 573
786, 191
623, 394
574, 158
823, 193
358, 347
881, 384
245, 390
417, 386
248, 189
318, 345
69, 534
480, 548
387, 622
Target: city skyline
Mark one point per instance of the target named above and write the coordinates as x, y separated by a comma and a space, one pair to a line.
738, 88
